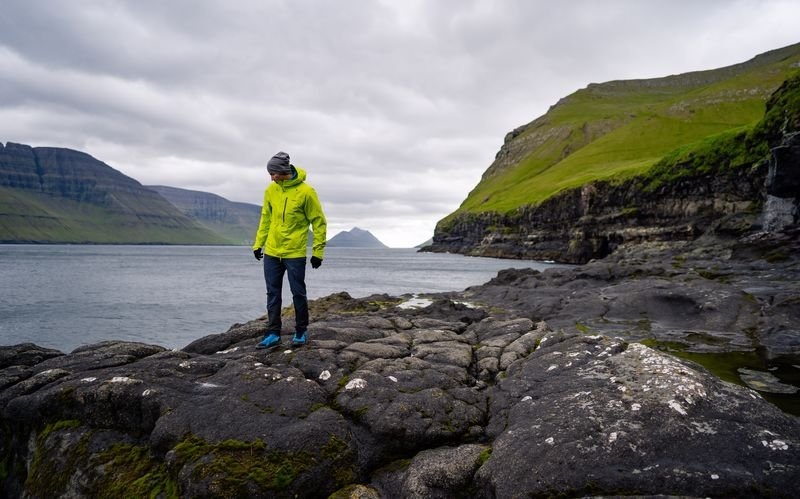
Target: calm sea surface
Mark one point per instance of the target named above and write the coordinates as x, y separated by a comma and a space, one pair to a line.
64, 296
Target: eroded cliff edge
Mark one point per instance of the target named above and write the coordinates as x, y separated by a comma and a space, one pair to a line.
734, 185
535, 384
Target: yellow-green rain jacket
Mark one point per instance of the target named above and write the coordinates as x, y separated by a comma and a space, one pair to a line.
289, 207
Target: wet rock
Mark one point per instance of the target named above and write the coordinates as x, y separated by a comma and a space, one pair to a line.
387, 403
765, 382
437, 473
587, 414
707, 306
221, 342
25, 354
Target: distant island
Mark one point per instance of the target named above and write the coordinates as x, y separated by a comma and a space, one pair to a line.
355, 238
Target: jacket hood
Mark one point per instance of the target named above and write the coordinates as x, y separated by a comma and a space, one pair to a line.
298, 179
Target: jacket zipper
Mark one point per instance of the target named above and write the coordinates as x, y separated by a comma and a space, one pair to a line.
285, 201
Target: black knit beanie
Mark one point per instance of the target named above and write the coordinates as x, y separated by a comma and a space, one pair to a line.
279, 164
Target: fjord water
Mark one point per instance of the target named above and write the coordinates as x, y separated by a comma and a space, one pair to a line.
65, 296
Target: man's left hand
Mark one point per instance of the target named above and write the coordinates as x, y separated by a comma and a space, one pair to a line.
315, 262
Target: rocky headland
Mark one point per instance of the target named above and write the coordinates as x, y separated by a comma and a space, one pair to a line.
740, 182
563, 383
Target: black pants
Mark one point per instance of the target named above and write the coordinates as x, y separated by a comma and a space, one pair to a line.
295, 268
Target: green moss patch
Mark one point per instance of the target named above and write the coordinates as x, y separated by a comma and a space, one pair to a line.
47, 475
233, 466
713, 275
131, 471
484, 456
230, 468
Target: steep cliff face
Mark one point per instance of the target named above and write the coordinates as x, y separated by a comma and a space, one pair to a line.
728, 183
782, 127
592, 221
63, 173
53, 195
235, 221
18, 168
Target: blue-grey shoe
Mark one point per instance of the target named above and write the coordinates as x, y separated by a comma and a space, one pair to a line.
271, 340
299, 339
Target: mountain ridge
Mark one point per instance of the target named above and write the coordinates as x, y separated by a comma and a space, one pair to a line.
234, 220
60, 195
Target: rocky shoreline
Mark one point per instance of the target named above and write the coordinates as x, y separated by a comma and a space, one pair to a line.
536, 384
750, 183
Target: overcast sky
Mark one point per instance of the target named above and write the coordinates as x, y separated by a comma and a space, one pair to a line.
394, 108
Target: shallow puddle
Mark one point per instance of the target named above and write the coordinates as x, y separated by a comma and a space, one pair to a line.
415, 302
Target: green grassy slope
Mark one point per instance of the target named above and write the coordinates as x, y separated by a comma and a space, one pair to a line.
27, 216
733, 149
621, 129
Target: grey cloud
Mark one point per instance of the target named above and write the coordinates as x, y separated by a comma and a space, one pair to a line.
395, 108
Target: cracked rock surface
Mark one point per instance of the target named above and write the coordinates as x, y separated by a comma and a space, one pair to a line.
502, 399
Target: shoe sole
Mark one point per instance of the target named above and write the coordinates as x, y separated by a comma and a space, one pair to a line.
271, 347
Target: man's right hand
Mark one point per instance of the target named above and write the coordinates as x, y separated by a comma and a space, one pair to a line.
259, 253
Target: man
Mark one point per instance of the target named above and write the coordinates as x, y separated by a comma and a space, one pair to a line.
290, 206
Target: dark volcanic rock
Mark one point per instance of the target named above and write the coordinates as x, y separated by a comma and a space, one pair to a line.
389, 402
703, 304
25, 354
591, 414
590, 222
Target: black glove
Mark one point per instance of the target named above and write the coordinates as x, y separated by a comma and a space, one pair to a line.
315, 262
259, 253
